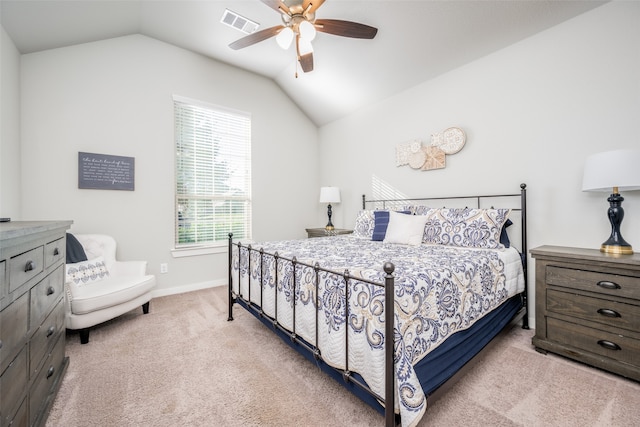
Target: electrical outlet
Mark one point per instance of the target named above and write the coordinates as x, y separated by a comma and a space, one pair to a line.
164, 268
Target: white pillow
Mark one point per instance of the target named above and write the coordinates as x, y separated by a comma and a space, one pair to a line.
85, 272
405, 229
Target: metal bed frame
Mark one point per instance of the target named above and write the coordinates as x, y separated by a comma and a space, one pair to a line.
388, 284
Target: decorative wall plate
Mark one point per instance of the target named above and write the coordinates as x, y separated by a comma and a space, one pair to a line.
453, 140
436, 158
417, 159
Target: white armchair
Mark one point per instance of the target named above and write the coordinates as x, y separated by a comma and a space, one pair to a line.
103, 288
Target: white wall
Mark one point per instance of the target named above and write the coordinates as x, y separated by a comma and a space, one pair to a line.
115, 97
9, 127
532, 112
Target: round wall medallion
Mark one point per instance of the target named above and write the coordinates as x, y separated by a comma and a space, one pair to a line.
417, 159
453, 140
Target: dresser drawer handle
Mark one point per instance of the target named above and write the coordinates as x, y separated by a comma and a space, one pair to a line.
50, 331
31, 265
608, 313
50, 371
609, 345
0, 343
56, 252
608, 285
50, 290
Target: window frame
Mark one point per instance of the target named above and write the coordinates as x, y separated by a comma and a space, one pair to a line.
220, 245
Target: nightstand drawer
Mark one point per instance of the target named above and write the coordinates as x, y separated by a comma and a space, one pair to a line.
598, 310
614, 346
610, 284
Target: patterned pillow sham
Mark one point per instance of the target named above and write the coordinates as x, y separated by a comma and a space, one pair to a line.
364, 224
85, 272
419, 209
470, 228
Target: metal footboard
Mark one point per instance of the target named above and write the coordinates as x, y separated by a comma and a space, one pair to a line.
313, 348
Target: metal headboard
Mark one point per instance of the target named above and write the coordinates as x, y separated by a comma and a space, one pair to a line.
516, 201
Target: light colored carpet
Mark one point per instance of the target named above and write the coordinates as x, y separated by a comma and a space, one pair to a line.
184, 364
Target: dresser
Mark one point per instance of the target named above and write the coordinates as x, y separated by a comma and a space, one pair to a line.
588, 307
32, 328
323, 232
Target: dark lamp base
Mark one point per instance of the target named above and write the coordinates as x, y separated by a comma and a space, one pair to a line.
616, 249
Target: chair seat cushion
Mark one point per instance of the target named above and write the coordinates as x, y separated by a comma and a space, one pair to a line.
109, 292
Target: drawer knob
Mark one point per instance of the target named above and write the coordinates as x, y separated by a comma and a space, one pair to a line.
608, 284
609, 345
50, 371
29, 266
50, 331
50, 290
608, 313
0, 343
56, 252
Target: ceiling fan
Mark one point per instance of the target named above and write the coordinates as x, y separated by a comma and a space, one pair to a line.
299, 22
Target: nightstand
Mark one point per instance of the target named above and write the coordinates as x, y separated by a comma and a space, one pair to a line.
588, 307
322, 232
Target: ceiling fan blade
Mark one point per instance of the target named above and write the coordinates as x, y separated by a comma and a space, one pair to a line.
256, 37
315, 4
278, 6
306, 62
345, 28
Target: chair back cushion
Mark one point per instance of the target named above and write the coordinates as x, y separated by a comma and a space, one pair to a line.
99, 245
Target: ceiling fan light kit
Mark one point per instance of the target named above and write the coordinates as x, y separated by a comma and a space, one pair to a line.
299, 20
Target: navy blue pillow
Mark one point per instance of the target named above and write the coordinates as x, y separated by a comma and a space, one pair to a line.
381, 222
75, 251
504, 238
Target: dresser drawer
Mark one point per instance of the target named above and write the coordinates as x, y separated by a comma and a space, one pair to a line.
54, 252
610, 284
598, 310
21, 418
13, 329
45, 380
13, 384
25, 266
614, 346
47, 334
3, 281
44, 295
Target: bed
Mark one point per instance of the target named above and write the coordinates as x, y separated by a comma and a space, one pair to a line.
456, 275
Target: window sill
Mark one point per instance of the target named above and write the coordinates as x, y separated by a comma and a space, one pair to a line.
200, 250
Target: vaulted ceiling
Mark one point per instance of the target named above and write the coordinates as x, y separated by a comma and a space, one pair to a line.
416, 40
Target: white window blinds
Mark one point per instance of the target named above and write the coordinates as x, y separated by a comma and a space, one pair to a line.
213, 173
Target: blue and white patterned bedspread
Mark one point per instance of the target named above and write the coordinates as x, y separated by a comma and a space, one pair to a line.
439, 290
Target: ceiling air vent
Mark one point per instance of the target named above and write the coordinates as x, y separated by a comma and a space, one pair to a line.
238, 22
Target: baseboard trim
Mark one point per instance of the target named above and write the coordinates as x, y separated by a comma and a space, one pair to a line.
188, 288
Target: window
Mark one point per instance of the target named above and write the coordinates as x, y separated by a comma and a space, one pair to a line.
213, 173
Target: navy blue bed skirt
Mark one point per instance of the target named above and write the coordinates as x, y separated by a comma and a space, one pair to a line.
435, 368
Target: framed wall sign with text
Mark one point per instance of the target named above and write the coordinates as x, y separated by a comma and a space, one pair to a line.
106, 172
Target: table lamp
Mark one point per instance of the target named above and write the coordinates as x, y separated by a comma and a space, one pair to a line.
614, 171
329, 195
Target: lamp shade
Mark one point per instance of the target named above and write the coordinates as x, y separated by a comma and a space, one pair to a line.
284, 38
329, 195
609, 169
307, 30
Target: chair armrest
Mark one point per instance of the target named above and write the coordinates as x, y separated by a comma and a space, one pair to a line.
129, 268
